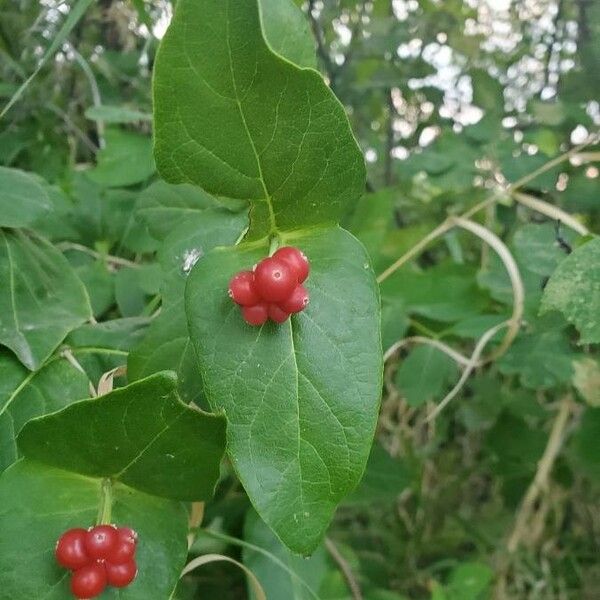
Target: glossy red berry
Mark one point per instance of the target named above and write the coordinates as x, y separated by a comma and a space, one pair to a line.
101, 540
255, 315
276, 314
274, 280
297, 301
89, 581
296, 260
70, 549
242, 290
121, 575
124, 549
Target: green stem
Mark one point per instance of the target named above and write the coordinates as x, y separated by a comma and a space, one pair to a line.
105, 509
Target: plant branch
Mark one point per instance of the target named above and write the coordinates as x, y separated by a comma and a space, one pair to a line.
540, 481
550, 211
592, 139
115, 260
344, 568
419, 339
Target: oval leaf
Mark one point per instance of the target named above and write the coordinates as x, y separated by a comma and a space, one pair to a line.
142, 435
25, 394
240, 121
41, 299
574, 290
301, 398
39, 503
22, 199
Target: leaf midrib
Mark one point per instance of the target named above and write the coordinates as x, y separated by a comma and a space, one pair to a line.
268, 198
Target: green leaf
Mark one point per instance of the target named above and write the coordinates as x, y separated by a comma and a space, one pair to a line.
100, 347
574, 290
167, 344
25, 394
134, 287
23, 199
164, 207
536, 247
116, 114
384, 479
542, 359
585, 446
141, 435
306, 575
469, 581
287, 31
39, 503
242, 122
127, 159
41, 299
515, 445
424, 375
444, 293
301, 398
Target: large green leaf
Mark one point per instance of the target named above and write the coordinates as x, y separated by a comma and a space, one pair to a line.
41, 298
126, 159
39, 503
167, 344
291, 577
301, 398
574, 290
240, 121
287, 31
25, 394
22, 198
142, 435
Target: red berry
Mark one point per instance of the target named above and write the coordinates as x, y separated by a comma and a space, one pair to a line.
121, 575
100, 541
70, 549
124, 549
276, 314
255, 315
296, 260
274, 279
297, 301
89, 581
241, 289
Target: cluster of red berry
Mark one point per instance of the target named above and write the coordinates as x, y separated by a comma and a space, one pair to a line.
100, 556
273, 290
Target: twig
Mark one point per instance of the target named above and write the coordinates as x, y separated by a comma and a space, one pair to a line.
542, 474
440, 230
592, 139
514, 275
345, 568
551, 211
419, 339
445, 226
96, 98
115, 260
474, 362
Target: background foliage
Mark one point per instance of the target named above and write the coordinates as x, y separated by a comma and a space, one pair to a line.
453, 104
